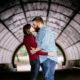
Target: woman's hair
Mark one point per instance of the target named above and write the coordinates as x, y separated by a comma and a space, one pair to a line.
26, 29
38, 19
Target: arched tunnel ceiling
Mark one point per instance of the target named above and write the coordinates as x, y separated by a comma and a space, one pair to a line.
63, 16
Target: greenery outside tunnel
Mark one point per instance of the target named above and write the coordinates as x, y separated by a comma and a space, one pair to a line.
21, 52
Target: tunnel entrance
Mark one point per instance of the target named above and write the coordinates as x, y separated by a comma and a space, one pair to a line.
21, 61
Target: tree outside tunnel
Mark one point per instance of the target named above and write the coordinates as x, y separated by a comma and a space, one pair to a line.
22, 63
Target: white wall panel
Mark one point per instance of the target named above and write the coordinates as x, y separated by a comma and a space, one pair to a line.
75, 25
61, 9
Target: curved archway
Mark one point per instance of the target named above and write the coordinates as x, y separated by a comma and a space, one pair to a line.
63, 18
62, 54
13, 57
21, 58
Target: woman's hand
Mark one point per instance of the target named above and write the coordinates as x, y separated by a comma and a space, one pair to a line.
50, 54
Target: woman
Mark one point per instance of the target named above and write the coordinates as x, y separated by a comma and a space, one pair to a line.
29, 41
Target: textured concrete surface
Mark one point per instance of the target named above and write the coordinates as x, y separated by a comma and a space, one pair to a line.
66, 74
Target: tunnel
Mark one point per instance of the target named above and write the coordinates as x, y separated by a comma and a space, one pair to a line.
62, 16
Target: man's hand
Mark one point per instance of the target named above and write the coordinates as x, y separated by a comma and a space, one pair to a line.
32, 50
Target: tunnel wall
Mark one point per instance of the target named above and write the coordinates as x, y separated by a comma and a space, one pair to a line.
64, 20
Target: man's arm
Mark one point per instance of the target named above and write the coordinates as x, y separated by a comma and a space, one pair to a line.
45, 42
34, 50
40, 45
39, 52
46, 39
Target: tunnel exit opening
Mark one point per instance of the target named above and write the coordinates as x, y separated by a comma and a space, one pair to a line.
61, 53
21, 61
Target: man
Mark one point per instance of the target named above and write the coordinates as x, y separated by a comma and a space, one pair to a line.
45, 41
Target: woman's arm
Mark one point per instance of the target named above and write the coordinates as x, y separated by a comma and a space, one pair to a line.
40, 52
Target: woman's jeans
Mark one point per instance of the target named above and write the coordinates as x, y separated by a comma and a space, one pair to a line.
35, 65
48, 69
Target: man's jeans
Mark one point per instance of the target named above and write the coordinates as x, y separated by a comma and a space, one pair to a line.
48, 68
35, 65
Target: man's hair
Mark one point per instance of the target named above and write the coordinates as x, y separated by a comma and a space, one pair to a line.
38, 19
26, 28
